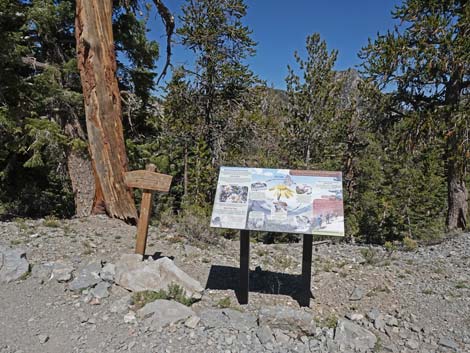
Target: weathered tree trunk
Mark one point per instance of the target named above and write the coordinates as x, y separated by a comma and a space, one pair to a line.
80, 171
97, 66
457, 199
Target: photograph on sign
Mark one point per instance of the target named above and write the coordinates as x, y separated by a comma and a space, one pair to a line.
279, 200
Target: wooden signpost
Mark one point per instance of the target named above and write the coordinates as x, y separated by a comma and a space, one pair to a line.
149, 181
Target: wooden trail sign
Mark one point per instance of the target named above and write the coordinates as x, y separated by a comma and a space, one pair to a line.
149, 181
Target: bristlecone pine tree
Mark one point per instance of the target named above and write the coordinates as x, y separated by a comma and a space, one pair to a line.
425, 64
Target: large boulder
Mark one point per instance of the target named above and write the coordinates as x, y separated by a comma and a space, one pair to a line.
287, 319
350, 335
136, 275
161, 313
13, 264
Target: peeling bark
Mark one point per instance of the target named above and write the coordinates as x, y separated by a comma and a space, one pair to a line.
97, 66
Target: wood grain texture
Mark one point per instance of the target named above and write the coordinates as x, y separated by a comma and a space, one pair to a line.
97, 66
144, 218
145, 179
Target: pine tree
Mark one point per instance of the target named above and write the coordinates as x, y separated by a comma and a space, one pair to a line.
424, 64
313, 105
214, 32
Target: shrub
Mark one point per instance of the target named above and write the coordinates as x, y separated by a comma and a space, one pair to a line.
370, 255
409, 244
174, 292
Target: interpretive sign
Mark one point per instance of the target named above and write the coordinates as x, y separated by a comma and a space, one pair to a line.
279, 200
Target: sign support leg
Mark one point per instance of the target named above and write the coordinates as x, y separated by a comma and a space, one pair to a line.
244, 266
144, 218
306, 270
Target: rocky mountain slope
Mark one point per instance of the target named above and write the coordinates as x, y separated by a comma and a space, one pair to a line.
365, 299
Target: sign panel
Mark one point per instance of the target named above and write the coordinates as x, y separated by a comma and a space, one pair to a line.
279, 200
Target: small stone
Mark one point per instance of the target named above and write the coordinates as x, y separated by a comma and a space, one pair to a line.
412, 344
108, 272
354, 316
379, 323
130, 318
392, 321
192, 322
62, 272
95, 301
82, 317
448, 343
87, 277
264, 334
281, 337
357, 294
351, 335
373, 314
101, 290
43, 338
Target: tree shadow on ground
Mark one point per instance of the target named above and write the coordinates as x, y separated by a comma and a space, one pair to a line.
266, 282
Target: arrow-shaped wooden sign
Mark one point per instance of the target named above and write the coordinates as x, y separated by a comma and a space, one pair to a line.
150, 182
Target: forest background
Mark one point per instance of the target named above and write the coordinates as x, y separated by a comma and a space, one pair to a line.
397, 127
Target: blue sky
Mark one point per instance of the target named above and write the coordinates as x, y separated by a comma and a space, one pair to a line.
280, 28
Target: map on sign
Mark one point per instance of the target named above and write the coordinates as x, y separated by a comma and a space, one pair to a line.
279, 200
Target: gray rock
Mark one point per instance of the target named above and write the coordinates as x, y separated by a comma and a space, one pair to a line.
373, 315
412, 344
87, 277
43, 338
192, 322
264, 335
379, 323
136, 275
42, 271
448, 343
281, 337
161, 313
228, 319
101, 290
354, 316
130, 318
357, 294
351, 335
61, 271
289, 319
392, 321
13, 264
108, 272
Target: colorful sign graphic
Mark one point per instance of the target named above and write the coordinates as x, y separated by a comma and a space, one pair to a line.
279, 200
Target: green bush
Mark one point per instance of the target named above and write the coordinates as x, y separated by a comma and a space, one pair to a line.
174, 292
409, 244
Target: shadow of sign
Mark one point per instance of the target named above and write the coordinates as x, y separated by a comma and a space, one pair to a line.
266, 282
